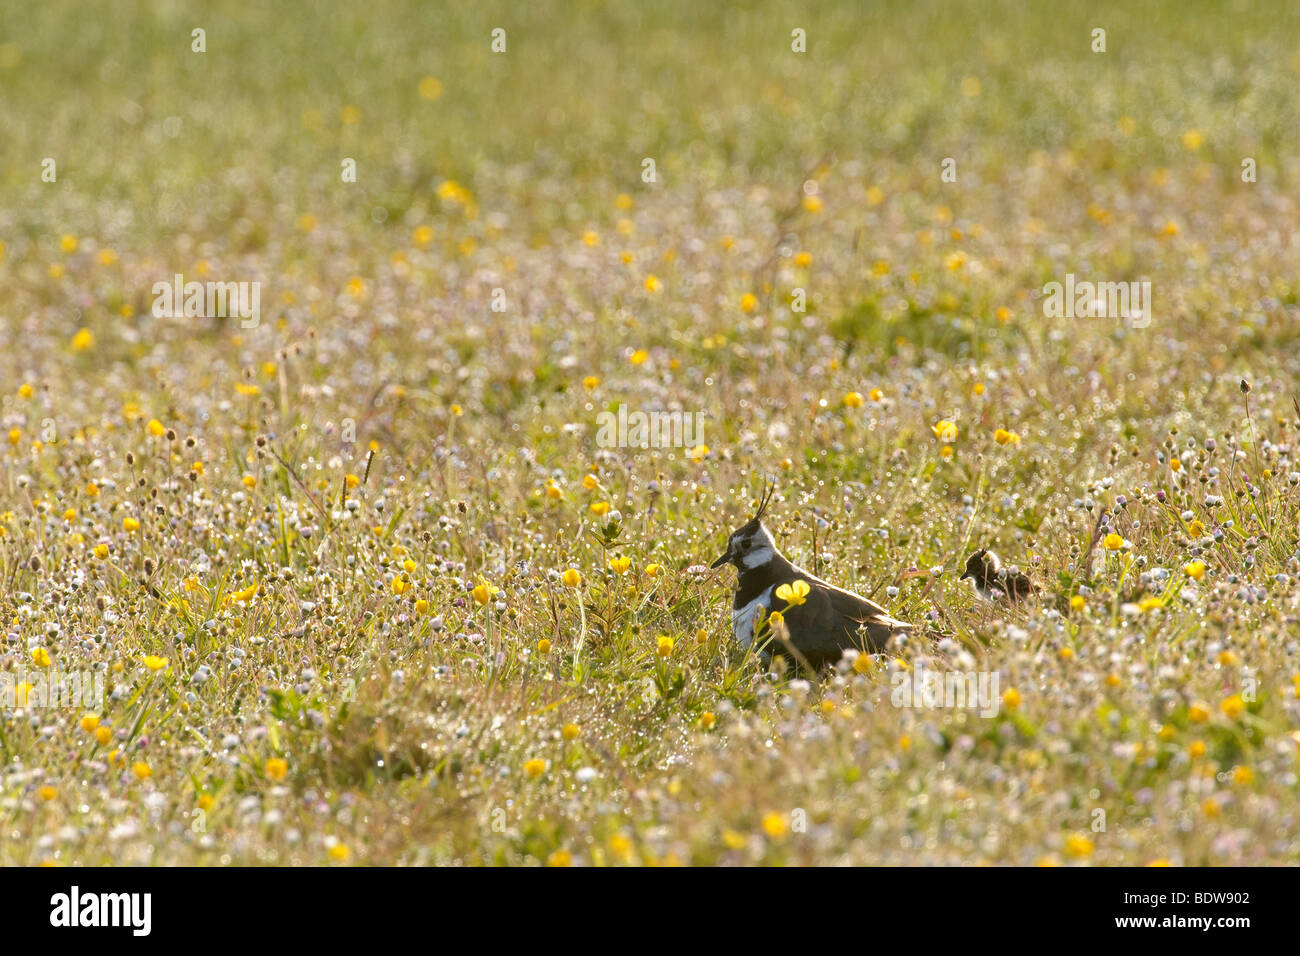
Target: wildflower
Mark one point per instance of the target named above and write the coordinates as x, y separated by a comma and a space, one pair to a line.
1233, 706
1078, 602
68, 243
339, 852
1113, 542
707, 720
652, 283
483, 592
1193, 139
276, 768
543, 647
944, 431
1195, 570
1198, 713
748, 302
776, 619
103, 735
1011, 699
701, 636
572, 577
1242, 775
775, 825
1196, 749
246, 594
15, 436
803, 260
249, 481
142, 770
600, 508
1004, 437
47, 793
876, 395
560, 858
570, 731
421, 606
852, 400
638, 357
794, 593
620, 564
812, 204
1150, 604
156, 428
664, 647
399, 586
698, 453
535, 767
430, 88
130, 525
1078, 846
83, 341
652, 570
590, 382
25, 390
88, 723
154, 662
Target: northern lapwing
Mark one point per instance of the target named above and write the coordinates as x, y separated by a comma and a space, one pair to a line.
993, 582
817, 621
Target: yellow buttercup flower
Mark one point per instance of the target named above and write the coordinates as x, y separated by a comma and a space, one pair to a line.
944, 430
572, 577
276, 768
483, 592
794, 593
154, 662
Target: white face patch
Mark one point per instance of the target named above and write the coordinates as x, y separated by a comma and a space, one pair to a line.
761, 550
742, 618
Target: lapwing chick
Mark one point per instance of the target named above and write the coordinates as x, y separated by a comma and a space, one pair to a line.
994, 582
818, 620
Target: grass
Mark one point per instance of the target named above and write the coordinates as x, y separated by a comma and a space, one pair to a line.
319, 563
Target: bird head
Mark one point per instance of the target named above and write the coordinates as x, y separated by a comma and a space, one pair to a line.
751, 545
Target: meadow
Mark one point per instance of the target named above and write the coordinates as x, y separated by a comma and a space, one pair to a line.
351, 581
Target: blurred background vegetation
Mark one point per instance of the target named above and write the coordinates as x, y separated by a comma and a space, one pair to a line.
587, 89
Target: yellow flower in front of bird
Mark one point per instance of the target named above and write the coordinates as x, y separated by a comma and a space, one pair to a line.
794, 593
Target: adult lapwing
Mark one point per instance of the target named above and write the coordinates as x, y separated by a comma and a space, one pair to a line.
815, 622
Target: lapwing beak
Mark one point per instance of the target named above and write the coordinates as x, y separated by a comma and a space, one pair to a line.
722, 560
965, 575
